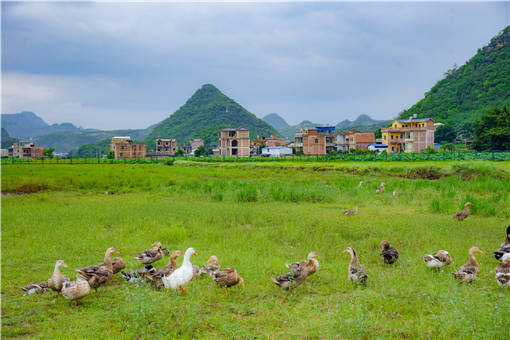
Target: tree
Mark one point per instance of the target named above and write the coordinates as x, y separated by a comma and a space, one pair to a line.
465, 130
48, 152
111, 154
444, 133
179, 152
378, 133
493, 131
202, 151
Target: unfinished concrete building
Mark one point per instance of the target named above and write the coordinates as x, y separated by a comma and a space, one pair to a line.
25, 150
234, 142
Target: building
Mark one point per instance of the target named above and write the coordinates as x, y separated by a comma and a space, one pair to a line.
276, 151
271, 141
354, 139
234, 142
25, 150
4, 152
378, 147
125, 147
409, 135
196, 143
317, 140
166, 147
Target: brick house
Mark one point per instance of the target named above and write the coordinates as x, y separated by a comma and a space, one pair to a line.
317, 140
25, 150
354, 139
125, 147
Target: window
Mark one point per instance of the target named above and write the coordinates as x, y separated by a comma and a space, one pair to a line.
401, 135
384, 137
391, 136
316, 141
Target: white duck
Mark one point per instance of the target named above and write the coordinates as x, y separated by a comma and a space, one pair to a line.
181, 275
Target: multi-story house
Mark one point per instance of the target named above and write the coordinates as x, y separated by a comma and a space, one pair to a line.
166, 147
272, 141
409, 135
125, 147
234, 142
25, 150
317, 140
354, 139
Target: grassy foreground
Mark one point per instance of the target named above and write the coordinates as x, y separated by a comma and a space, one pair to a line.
256, 217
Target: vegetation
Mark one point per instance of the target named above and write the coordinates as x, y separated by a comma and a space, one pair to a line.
28, 124
48, 152
276, 121
256, 218
202, 151
467, 92
444, 133
92, 150
7, 140
207, 111
493, 131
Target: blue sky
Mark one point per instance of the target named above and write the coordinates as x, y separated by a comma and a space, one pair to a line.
130, 65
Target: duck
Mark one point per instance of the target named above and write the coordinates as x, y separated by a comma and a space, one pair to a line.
212, 265
462, 215
503, 271
57, 279
381, 189
182, 275
99, 274
504, 248
227, 278
153, 254
351, 212
118, 264
388, 254
468, 272
75, 290
292, 279
308, 266
440, 259
139, 274
357, 273
35, 288
55, 282
360, 184
155, 277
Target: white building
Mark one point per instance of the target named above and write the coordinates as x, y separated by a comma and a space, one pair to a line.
378, 147
276, 151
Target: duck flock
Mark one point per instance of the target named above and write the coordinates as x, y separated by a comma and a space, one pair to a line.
174, 277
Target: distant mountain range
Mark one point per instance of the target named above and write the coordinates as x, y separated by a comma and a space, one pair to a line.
27, 125
362, 123
207, 111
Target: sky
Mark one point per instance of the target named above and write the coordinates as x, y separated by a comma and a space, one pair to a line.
130, 65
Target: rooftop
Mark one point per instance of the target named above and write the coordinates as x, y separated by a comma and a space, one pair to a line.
413, 120
234, 129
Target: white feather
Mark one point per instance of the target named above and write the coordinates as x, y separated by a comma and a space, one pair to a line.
181, 275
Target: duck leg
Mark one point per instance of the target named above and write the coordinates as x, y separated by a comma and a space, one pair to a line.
75, 303
183, 291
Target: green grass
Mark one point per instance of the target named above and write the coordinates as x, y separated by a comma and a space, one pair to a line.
255, 217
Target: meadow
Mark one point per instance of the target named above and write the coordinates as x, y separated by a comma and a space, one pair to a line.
256, 216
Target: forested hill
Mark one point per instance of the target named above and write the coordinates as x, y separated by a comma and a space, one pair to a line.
203, 115
467, 92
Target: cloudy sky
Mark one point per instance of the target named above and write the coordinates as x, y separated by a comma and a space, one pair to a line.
130, 65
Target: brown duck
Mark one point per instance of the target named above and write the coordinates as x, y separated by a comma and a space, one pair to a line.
504, 248
357, 272
351, 212
468, 272
503, 271
155, 277
153, 254
55, 282
388, 254
227, 278
98, 274
461, 216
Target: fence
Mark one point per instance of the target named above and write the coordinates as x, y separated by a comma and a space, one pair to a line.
441, 156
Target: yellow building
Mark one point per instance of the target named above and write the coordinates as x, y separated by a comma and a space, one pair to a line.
409, 135
234, 142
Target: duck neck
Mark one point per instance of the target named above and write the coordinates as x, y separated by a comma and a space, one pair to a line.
186, 261
354, 259
56, 271
472, 260
173, 262
108, 259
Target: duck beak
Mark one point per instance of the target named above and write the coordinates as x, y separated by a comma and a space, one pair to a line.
64, 265
195, 253
481, 252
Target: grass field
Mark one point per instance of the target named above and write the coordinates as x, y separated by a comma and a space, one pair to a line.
255, 217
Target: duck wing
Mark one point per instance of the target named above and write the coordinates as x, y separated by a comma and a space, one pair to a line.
389, 255
149, 256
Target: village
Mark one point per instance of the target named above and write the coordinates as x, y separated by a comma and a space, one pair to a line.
404, 135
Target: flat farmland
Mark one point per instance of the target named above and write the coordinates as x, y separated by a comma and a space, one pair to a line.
255, 217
